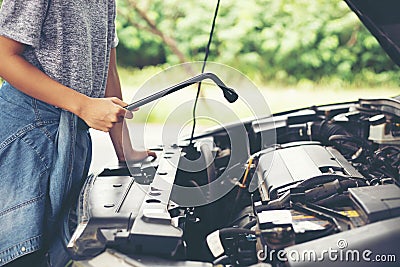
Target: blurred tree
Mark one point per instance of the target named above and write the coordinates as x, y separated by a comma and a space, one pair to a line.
168, 25
282, 40
286, 40
147, 21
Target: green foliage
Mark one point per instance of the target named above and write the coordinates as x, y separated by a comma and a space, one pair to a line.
136, 47
286, 41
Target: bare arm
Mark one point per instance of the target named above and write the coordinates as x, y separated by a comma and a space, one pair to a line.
98, 113
119, 133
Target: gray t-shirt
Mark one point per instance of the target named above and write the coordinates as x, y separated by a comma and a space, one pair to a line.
69, 40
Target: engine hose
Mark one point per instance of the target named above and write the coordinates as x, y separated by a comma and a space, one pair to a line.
328, 129
327, 190
349, 138
320, 179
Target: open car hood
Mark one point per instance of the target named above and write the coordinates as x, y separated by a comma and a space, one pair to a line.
382, 19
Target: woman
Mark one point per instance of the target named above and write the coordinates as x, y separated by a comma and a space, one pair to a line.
59, 63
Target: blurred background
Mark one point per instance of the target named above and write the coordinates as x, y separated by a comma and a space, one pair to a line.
305, 52
297, 53
284, 41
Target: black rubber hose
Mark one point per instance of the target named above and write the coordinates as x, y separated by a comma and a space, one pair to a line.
320, 179
349, 138
327, 129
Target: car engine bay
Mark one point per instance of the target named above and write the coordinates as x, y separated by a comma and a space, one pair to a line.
330, 175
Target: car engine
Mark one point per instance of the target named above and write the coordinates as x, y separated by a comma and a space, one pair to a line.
331, 175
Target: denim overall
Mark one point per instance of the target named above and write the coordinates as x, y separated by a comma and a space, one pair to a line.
45, 154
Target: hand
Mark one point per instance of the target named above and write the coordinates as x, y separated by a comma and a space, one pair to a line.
136, 155
102, 113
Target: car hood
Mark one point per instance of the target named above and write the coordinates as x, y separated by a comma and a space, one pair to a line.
382, 19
